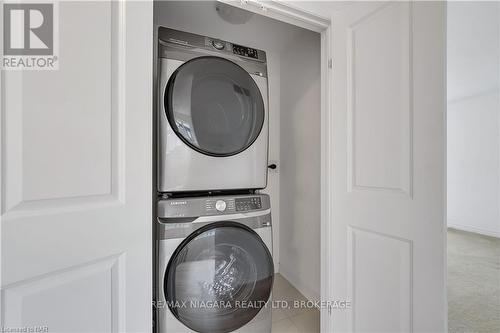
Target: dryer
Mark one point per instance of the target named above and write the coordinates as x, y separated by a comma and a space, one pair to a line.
213, 114
214, 266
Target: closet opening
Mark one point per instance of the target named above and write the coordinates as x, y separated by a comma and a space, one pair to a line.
293, 59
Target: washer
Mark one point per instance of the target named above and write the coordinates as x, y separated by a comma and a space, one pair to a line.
214, 267
213, 118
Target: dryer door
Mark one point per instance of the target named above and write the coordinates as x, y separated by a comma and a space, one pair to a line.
214, 106
219, 278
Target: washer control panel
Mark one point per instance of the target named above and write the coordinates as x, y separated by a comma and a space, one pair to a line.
211, 206
223, 205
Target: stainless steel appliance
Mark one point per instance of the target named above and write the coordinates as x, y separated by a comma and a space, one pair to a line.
213, 114
214, 264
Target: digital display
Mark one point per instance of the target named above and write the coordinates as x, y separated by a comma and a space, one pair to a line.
244, 204
245, 51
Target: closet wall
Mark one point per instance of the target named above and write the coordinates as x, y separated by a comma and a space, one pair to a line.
293, 56
300, 163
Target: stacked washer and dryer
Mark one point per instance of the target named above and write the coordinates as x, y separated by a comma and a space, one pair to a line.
214, 266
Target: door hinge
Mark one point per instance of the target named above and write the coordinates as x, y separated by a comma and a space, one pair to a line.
330, 63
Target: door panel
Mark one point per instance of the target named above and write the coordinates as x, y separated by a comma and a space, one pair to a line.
80, 299
76, 108
76, 177
384, 261
379, 104
388, 112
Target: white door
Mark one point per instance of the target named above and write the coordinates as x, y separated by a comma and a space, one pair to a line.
76, 177
388, 162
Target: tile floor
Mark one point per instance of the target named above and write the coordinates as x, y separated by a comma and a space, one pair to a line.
473, 283
292, 320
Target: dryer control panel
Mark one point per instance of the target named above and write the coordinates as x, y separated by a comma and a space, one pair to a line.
196, 43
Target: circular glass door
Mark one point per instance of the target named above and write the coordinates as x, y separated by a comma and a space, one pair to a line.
219, 278
214, 106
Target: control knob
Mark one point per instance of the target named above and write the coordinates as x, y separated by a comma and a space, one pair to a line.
220, 205
219, 45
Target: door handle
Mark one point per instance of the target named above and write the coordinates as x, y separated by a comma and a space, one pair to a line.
272, 166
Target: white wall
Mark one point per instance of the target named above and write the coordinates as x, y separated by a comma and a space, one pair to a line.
300, 164
474, 117
473, 170
294, 104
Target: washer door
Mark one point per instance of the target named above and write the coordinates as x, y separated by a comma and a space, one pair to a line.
219, 278
214, 106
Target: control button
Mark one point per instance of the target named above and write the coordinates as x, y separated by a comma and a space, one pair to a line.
220, 205
218, 44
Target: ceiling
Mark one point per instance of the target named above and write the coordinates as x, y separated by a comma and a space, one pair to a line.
319, 8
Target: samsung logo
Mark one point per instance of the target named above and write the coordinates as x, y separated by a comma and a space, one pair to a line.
178, 203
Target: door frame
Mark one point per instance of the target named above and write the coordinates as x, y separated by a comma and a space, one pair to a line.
291, 14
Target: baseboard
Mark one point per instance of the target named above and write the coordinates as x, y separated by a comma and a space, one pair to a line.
305, 290
454, 225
